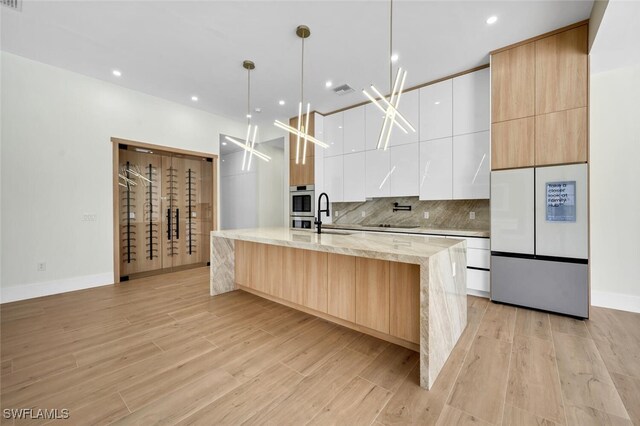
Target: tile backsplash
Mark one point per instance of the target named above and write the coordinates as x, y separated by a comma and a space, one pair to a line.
444, 214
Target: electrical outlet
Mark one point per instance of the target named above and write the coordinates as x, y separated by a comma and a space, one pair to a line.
336, 213
363, 213
472, 215
42, 266
426, 215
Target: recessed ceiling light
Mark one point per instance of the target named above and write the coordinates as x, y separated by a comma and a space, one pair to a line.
394, 57
437, 102
248, 115
492, 20
224, 144
339, 127
281, 102
194, 98
328, 83
117, 73
258, 110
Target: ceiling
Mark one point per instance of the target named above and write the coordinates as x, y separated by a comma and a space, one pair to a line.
177, 49
616, 43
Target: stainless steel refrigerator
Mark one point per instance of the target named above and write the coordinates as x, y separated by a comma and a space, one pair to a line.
539, 238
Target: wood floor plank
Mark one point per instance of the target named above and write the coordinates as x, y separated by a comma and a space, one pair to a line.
389, 369
358, 403
368, 345
244, 401
182, 402
452, 416
629, 390
533, 384
498, 322
481, 386
533, 324
516, 416
6, 367
23, 377
566, 325
302, 402
587, 416
585, 381
99, 412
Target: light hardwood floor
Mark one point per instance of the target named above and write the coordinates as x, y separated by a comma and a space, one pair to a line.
160, 349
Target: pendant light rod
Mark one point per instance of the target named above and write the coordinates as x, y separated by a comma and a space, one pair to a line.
390, 45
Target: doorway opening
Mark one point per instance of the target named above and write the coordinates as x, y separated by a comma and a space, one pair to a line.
164, 209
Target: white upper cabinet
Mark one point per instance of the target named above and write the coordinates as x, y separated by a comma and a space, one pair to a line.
404, 163
333, 130
409, 108
471, 102
377, 173
334, 178
471, 166
436, 111
354, 177
436, 169
354, 130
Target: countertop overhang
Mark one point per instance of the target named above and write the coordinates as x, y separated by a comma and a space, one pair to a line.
400, 248
417, 230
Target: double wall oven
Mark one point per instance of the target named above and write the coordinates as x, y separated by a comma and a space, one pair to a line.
302, 203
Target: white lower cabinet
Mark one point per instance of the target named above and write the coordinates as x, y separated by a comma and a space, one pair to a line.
471, 166
377, 173
334, 177
436, 169
354, 177
404, 162
478, 280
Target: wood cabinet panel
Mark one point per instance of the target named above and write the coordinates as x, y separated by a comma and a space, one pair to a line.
293, 275
561, 137
372, 294
561, 71
314, 284
293, 122
404, 287
301, 174
512, 144
342, 286
241, 262
513, 83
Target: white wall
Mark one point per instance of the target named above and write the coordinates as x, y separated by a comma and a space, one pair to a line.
253, 198
615, 188
56, 165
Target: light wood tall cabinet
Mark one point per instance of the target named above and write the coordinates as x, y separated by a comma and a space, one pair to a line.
539, 100
302, 172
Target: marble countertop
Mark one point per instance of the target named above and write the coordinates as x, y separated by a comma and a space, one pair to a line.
420, 231
399, 248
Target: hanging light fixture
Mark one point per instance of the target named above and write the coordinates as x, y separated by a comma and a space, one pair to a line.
392, 116
249, 144
302, 132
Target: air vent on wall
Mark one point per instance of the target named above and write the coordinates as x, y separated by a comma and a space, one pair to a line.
13, 4
343, 90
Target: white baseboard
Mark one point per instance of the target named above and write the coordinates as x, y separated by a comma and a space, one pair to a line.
30, 291
623, 302
478, 293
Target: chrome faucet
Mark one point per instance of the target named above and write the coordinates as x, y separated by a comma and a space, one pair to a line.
318, 221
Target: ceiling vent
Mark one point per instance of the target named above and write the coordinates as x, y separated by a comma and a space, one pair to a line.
13, 4
341, 90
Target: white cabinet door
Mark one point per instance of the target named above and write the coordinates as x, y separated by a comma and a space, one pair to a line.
471, 166
354, 177
409, 108
471, 102
333, 134
404, 162
562, 231
354, 130
318, 166
436, 169
333, 178
377, 173
436, 111
512, 211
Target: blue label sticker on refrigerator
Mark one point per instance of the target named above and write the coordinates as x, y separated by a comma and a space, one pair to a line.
561, 201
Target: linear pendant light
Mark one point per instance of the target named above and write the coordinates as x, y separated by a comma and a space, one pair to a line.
249, 144
392, 116
302, 132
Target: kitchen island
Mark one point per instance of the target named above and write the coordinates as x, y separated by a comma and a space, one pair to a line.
406, 289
